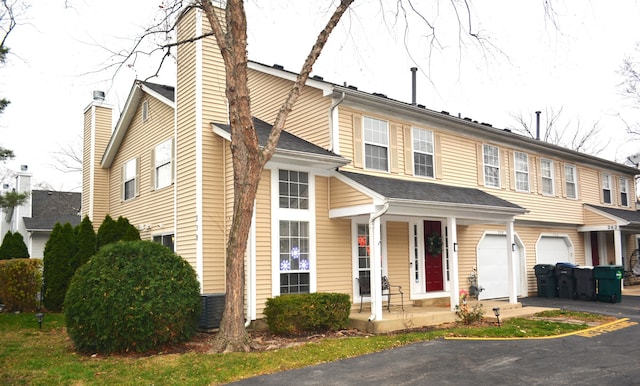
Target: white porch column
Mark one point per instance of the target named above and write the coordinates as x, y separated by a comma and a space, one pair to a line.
452, 247
511, 265
375, 241
617, 245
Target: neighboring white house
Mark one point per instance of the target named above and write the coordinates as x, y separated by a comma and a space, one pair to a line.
41, 211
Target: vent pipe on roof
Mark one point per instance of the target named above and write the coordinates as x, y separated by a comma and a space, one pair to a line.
538, 125
413, 85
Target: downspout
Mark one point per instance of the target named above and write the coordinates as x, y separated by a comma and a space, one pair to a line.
372, 218
334, 105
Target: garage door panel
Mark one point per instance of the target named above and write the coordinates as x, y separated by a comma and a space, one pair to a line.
552, 250
493, 271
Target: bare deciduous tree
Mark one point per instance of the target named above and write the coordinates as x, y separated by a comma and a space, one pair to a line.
554, 129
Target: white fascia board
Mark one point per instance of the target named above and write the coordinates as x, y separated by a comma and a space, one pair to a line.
326, 87
121, 127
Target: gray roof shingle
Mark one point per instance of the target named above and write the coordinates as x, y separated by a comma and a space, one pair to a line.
164, 90
49, 208
427, 191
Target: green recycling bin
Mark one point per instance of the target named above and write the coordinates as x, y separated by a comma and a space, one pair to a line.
609, 279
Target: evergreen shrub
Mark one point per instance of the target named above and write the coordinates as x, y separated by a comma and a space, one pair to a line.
132, 296
296, 314
20, 282
13, 246
60, 263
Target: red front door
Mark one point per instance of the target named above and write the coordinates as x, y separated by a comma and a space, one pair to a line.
433, 261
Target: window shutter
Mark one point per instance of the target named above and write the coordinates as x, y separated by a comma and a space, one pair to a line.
600, 188
503, 163
512, 175
408, 151
357, 140
393, 147
615, 191
480, 161
578, 184
562, 192
437, 155
137, 176
153, 169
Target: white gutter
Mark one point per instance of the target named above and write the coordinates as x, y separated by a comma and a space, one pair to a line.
334, 128
376, 267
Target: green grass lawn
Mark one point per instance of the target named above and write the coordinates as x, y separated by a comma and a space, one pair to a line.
30, 356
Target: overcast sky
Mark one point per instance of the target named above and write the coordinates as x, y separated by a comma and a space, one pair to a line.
526, 63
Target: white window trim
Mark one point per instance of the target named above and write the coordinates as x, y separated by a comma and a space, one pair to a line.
134, 179
626, 191
365, 143
354, 253
168, 163
608, 179
484, 165
552, 177
278, 214
575, 182
432, 154
516, 172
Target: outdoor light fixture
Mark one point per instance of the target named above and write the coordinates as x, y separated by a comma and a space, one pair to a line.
39, 313
496, 312
455, 247
40, 318
513, 247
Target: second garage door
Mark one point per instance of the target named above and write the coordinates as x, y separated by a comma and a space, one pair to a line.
493, 272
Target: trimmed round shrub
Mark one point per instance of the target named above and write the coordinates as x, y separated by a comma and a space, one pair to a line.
132, 296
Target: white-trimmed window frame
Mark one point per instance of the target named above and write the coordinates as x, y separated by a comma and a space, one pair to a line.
423, 146
521, 171
606, 188
550, 177
289, 214
491, 162
573, 182
129, 179
624, 192
163, 165
167, 239
375, 134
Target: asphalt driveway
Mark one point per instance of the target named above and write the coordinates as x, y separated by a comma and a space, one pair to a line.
607, 357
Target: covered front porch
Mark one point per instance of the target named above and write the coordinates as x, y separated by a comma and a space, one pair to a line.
433, 314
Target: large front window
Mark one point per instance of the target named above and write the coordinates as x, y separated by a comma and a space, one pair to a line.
522, 171
376, 144
130, 170
294, 256
571, 182
423, 152
491, 157
546, 172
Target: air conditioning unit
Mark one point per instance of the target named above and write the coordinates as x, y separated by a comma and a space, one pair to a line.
212, 309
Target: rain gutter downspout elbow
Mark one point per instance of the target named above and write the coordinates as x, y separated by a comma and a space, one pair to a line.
373, 217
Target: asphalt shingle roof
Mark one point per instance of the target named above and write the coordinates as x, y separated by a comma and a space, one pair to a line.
426, 191
168, 92
287, 140
49, 208
629, 215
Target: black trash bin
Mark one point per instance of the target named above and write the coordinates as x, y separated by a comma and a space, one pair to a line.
566, 280
585, 283
547, 285
608, 280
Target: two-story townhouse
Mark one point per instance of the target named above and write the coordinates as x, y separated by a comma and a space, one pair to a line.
360, 184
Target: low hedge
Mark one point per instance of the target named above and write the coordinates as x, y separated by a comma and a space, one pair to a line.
20, 282
303, 313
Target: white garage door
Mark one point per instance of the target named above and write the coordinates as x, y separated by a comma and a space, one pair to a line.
493, 272
553, 249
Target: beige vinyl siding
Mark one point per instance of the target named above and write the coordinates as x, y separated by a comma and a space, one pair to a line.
591, 218
151, 210
309, 118
101, 117
398, 256
264, 263
333, 245
343, 195
185, 143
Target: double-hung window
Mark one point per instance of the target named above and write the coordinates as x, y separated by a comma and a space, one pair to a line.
571, 181
521, 161
294, 234
547, 179
130, 171
624, 192
166, 239
491, 157
606, 189
423, 152
376, 144
162, 160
